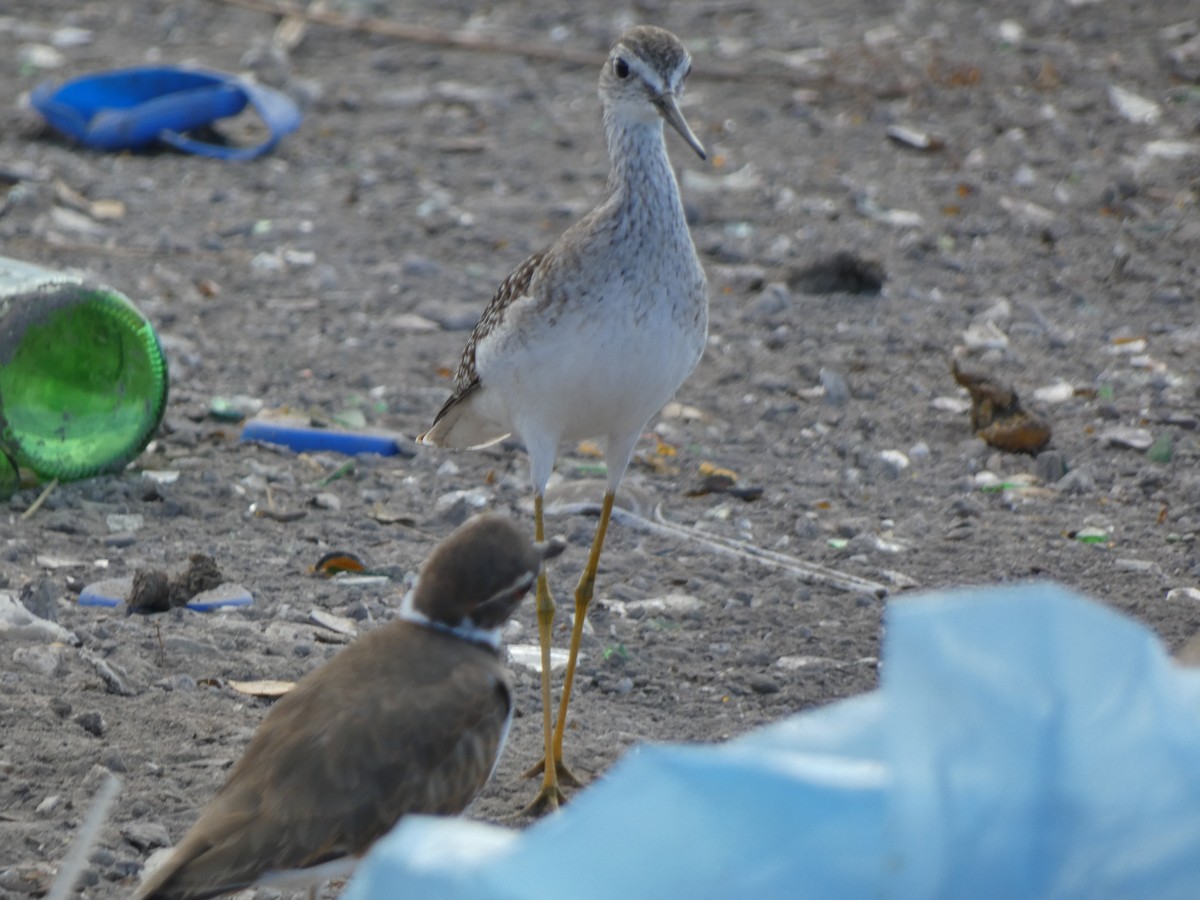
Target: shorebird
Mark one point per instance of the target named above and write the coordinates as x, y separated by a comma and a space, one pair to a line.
410, 718
590, 337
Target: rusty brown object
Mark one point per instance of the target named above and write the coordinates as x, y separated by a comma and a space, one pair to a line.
998, 417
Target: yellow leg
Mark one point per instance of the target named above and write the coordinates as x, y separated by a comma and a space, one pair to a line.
583, 599
550, 796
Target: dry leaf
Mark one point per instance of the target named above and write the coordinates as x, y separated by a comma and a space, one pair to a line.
381, 514
677, 410
266, 689
336, 624
590, 448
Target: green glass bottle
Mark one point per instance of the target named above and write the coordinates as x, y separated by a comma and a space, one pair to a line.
83, 379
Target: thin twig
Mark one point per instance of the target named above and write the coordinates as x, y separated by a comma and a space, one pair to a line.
41, 498
806, 571
464, 40
810, 572
124, 252
438, 37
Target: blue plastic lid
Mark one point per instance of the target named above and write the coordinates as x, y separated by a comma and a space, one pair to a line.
130, 109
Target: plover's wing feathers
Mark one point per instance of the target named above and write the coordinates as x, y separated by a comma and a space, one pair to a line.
451, 741
466, 380
305, 794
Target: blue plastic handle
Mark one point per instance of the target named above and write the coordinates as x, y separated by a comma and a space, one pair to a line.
303, 440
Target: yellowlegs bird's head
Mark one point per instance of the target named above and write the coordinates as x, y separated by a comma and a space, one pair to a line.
642, 81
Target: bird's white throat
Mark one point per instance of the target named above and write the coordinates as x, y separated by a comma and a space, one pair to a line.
466, 629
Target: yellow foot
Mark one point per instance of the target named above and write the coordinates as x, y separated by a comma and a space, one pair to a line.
565, 775
548, 800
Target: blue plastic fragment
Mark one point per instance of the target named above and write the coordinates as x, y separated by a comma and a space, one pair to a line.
1024, 742
130, 109
304, 440
226, 596
112, 592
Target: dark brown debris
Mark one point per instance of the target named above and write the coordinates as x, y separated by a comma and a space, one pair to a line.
842, 273
202, 574
151, 591
998, 417
155, 591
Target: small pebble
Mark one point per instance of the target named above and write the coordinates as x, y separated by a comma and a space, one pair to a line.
70, 36
64, 522
358, 611
181, 682
1051, 466
773, 300
91, 722
146, 835
124, 522
41, 659
420, 266
28, 879
848, 528
966, 507
1077, 481
761, 684
894, 462
41, 598
1142, 566
1128, 438
807, 528
861, 544
455, 507
1184, 594
114, 762
124, 868
120, 539
837, 391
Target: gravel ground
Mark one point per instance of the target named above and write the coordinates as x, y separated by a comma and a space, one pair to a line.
1015, 185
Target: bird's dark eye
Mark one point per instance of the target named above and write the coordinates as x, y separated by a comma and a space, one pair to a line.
620, 68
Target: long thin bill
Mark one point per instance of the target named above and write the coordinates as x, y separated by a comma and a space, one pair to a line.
551, 548
669, 110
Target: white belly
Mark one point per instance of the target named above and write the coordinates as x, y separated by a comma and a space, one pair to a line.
588, 375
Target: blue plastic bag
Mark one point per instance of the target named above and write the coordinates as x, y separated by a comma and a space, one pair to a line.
1024, 743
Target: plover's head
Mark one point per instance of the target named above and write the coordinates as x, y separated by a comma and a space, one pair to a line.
478, 575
